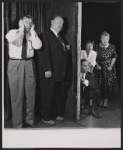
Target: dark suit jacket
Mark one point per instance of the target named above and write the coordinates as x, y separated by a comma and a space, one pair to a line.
91, 91
52, 56
92, 81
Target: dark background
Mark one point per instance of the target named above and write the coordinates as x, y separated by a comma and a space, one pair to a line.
99, 17
114, 28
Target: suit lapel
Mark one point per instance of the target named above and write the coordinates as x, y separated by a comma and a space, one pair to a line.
87, 75
58, 41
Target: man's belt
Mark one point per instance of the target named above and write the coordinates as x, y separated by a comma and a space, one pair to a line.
21, 59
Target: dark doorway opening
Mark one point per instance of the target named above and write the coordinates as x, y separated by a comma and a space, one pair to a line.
98, 17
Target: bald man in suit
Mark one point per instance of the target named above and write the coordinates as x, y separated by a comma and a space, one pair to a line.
52, 70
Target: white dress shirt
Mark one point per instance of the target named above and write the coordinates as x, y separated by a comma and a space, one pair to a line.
91, 58
15, 39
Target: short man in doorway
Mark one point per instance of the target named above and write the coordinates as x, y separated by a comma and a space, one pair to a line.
89, 89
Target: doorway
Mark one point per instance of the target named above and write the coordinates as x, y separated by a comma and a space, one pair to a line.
96, 18
99, 17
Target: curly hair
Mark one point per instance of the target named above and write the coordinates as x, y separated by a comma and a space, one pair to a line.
104, 33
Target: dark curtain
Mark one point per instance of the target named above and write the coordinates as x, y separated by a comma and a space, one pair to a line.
13, 12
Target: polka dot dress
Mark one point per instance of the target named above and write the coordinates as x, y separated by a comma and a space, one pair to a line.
107, 79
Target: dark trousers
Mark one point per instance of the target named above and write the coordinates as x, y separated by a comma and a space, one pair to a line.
51, 102
88, 95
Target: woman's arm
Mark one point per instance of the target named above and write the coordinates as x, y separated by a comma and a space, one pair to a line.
112, 63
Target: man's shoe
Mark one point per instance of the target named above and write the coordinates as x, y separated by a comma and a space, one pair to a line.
49, 122
59, 118
94, 114
27, 125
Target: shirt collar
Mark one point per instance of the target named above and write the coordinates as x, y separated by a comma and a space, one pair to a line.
104, 46
54, 32
83, 74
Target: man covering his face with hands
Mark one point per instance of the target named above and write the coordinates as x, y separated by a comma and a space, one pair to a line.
21, 73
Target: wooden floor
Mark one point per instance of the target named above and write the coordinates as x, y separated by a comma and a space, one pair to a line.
111, 118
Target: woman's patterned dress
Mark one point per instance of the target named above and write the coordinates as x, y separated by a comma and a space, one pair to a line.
107, 79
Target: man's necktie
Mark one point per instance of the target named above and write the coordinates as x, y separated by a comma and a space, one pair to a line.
83, 85
24, 47
61, 42
83, 76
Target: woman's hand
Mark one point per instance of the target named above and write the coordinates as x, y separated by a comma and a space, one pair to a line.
68, 47
109, 68
99, 67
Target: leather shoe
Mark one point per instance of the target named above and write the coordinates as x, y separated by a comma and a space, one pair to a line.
104, 106
49, 122
59, 118
27, 125
94, 114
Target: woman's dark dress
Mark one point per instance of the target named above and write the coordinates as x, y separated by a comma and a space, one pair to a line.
107, 79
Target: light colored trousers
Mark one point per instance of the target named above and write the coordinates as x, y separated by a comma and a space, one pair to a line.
21, 75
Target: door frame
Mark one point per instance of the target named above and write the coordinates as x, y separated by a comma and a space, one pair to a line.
79, 28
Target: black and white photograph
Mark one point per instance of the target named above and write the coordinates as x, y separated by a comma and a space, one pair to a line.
61, 74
